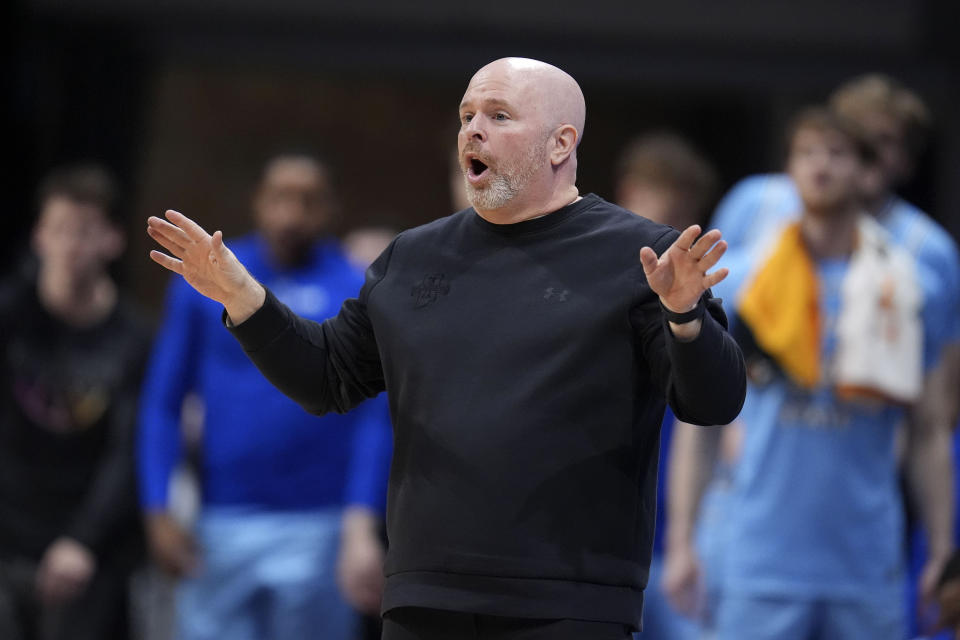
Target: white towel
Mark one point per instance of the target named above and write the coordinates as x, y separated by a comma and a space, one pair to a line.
879, 330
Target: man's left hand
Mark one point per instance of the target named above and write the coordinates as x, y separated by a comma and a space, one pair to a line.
680, 275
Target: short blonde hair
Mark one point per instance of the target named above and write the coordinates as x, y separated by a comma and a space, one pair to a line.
878, 92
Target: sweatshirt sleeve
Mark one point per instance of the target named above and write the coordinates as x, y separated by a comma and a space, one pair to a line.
170, 375
703, 380
324, 367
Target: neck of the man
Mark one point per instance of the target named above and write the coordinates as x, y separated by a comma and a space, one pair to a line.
523, 208
830, 234
74, 299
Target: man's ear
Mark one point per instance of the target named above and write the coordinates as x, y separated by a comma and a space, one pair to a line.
565, 143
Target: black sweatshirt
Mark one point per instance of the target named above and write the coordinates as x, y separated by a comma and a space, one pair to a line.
68, 400
527, 367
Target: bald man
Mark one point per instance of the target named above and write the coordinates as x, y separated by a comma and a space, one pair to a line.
528, 354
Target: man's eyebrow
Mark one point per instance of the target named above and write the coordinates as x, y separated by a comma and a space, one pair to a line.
488, 103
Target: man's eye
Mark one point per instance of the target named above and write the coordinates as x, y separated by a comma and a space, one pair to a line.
467, 117
500, 116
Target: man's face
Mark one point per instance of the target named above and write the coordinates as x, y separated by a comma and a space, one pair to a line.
75, 238
889, 139
502, 139
292, 207
826, 169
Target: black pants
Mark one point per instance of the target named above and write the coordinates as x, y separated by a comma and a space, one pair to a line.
430, 624
99, 613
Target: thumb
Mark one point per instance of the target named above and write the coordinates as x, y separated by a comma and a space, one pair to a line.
219, 249
649, 260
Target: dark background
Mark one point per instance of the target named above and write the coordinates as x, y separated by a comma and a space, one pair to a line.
185, 99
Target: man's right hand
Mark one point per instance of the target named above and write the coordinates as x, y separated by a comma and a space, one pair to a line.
206, 263
173, 548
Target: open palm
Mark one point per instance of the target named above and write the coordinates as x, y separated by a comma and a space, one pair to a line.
203, 260
679, 276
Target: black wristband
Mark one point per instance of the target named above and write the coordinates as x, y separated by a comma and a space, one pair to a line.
687, 316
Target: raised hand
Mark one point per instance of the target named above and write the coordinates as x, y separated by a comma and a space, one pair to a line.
680, 275
206, 263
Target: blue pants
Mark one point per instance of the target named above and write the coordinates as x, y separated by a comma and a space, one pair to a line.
748, 617
265, 575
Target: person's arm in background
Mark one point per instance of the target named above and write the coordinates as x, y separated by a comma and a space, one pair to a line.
929, 469
170, 376
360, 564
929, 465
693, 458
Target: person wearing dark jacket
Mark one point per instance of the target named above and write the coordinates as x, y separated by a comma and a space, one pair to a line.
73, 356
527, 355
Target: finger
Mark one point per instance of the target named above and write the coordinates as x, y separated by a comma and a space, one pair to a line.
704, 244
167, 262
715, 278
649, 260
687, 238
194, 231
219, 248
170, 230
167, 243
707, 261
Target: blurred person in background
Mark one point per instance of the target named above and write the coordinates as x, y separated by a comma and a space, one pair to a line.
897, 122
262, 559
837, 336
663, 177
365, 244
73, 357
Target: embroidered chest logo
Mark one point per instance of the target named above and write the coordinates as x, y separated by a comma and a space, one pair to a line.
429, 289
555, 294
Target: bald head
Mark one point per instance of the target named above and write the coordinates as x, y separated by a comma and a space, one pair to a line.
520, 123
553, 92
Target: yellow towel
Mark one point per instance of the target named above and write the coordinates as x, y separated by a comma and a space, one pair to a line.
781, 308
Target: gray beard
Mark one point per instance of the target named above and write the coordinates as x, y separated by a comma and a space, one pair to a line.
506, 185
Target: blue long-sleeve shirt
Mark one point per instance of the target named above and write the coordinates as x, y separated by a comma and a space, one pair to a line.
259, 448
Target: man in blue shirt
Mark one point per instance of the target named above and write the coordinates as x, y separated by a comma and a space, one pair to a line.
262, 560
897, 121
815, 522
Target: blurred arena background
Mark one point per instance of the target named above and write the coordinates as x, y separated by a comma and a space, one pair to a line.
185, 99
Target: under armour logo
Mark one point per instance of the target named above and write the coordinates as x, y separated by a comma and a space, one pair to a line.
429, 289
552, 294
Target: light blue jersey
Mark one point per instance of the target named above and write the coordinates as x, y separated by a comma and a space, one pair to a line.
815, 511
757, 205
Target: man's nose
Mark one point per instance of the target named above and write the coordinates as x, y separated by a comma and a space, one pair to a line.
474, 130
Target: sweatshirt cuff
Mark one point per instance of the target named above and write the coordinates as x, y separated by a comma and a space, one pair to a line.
691, 352
262, 328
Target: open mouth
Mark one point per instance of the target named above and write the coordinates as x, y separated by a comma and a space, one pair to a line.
476, 167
